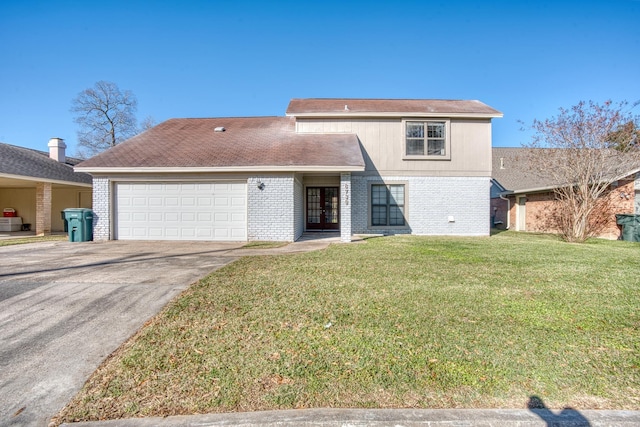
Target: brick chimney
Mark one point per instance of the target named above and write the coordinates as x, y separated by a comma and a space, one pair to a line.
56, 149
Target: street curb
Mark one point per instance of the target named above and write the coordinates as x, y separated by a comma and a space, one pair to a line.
389, 417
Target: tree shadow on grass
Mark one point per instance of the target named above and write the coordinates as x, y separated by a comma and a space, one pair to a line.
566, 417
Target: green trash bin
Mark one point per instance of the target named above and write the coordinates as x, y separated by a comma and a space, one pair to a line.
80, 224
66, 224
630, 226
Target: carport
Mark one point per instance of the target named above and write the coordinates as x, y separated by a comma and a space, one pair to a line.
39, 185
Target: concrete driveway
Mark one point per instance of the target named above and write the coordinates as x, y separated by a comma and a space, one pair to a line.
64, 307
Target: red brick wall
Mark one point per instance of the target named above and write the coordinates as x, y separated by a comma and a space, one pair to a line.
541, 210
621, 200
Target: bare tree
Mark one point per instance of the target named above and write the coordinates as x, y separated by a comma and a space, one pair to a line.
147, 123
574, 151
106, 116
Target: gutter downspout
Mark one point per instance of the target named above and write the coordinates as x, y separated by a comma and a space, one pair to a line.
508, 210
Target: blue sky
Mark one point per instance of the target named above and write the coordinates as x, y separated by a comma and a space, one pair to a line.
248, 58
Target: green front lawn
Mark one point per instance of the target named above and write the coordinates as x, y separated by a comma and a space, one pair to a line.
405, 321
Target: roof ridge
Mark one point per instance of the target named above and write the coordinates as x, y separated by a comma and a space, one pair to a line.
228, 117
391, 99
45, 153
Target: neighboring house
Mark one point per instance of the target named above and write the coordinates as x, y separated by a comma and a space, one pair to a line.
357, 166
522, 201
39, 185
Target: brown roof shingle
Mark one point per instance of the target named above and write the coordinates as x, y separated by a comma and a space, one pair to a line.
515, 171
259, 142
299, 107
512, 169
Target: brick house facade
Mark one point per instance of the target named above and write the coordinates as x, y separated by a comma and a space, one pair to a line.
529, 206
348, 165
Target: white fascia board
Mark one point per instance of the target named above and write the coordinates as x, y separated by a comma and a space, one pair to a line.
552, 187
534, 190
399, 115
52, 181
632, 172
245, 169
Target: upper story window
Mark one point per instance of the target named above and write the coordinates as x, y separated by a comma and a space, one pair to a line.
427, 139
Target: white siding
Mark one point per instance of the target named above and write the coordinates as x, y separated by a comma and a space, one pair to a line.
434, 205
101, 209
345, 207
298, 208
271, 209
383, 141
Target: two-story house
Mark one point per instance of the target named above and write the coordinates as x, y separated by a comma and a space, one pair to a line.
358, 166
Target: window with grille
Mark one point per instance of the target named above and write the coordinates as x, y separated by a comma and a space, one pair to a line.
387, 205
426, 139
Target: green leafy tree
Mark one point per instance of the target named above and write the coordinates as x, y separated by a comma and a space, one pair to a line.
625, 137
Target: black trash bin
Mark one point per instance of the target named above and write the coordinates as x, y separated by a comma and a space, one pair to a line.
630, 226
80, 224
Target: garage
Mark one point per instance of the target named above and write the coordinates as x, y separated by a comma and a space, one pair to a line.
215, 211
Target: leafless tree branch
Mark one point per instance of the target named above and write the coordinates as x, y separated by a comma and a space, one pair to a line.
106, 117
584, 150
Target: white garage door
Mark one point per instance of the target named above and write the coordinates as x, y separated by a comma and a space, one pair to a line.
181, 211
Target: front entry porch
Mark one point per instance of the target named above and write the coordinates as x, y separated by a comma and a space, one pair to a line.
327, 204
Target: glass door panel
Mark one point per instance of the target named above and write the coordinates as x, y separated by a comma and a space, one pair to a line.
323, 208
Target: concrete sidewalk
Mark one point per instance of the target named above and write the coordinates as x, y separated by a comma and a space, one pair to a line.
309, 242
389, 417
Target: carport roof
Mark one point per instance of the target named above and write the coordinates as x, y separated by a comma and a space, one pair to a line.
232, 143
25, 163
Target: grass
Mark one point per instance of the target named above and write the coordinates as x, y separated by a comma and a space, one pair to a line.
264, 245
404, 321
33, 239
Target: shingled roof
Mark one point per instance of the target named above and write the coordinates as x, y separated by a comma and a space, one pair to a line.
240, 143
387, 107
513, 170
27, 163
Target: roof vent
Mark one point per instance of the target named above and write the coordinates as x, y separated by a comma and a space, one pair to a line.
219, 129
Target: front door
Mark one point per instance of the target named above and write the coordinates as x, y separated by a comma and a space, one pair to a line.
322, 208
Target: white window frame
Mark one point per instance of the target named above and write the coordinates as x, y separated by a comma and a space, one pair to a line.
425, 122
521, 213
